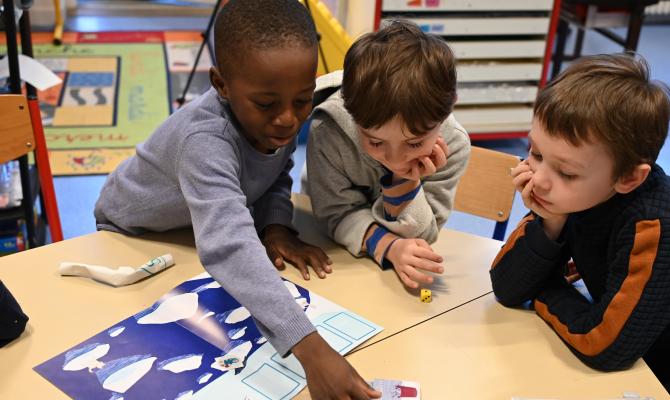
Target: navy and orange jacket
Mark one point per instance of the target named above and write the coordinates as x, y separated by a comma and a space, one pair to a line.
621, 249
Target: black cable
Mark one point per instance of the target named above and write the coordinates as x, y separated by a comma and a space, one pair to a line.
205, 39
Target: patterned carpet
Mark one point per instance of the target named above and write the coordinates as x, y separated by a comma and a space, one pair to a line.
117, 88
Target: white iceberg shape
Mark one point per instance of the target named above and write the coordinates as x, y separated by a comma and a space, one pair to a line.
116, 331
234, 316
121, 374
85, 357
173, 309
233, 358
292, 288
202, 275
211, 285
302, 302
261, 340
183, 363
237, 333
204, 378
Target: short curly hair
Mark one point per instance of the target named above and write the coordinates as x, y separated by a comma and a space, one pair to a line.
244, 25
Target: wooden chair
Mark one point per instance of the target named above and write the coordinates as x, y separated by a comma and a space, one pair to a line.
16, 130
16, 141
486, 188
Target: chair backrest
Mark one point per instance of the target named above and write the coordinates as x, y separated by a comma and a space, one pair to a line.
16, 130
486, 188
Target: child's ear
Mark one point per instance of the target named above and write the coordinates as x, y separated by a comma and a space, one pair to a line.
633, 179
217, 82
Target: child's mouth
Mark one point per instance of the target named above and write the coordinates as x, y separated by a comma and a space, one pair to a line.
540, 200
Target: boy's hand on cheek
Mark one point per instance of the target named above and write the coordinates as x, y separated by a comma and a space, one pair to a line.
551, 223
427, 165
440, 153
282, 245
409, 256
521, 175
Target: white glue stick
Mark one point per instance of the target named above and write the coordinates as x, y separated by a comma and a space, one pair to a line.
117, 277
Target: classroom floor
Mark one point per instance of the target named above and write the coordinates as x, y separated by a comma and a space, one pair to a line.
77, 195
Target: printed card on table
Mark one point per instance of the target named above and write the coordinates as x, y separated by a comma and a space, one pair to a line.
197, 342
397, 390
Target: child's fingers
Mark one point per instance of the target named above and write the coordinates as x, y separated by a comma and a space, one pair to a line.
302, 267
415, 172
428, 265
276, 259
317, 265
425, 251
521, 181
519, 169
443, 146
428, 166
323, 259
417, 276
406, 281
439, 155
526, 195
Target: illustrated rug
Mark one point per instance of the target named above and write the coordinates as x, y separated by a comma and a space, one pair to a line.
117, 88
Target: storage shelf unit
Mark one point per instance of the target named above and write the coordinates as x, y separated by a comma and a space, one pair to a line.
503, 50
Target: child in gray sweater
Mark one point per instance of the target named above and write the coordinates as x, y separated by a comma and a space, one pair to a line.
385, 153
221, 165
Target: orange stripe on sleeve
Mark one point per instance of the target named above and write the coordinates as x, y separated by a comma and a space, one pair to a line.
640, 266
511, 241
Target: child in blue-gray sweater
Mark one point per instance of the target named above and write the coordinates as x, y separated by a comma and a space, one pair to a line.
221, 164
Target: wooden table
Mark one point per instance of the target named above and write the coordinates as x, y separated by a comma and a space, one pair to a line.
483, 350
65, 311
361, 286
470, 347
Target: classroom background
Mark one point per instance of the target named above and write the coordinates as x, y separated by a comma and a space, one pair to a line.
183, 21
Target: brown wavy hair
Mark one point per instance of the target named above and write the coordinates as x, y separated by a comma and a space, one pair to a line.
399, 71
608, 98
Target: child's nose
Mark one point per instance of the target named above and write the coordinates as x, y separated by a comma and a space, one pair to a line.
394, 157
541, 179
286, 119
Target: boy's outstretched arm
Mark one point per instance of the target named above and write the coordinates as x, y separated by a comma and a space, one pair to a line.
228, 244
329, 375
622, 324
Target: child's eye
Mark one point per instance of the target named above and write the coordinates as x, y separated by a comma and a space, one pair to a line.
416, 145
565, 176
303, 102
536, 156
263, 106
375, 144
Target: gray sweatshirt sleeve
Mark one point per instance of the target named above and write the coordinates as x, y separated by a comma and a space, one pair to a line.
227, 242
339, 206
427, 213
275, 206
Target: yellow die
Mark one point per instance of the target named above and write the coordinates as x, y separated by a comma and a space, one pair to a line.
426, 296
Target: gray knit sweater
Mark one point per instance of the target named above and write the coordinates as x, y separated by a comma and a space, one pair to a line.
344, 182
197, 169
